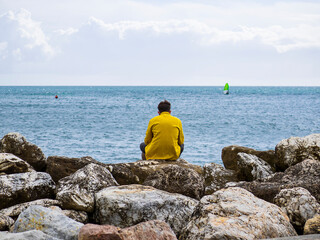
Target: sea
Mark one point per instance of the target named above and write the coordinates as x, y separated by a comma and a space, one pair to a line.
109, 123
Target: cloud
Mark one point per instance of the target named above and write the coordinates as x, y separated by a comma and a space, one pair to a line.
24, 37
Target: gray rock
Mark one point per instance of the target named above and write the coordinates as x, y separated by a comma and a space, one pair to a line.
177, 179
10, 164
230, 158
298, 204
14, 211
305, 174
295, 149
48, 221
124, 206
24, 187
137, 172
79, 216
312, 226
17, 144
28, 235
216, 177
251, 167
59, 166
5, 222
235, 213
77, 190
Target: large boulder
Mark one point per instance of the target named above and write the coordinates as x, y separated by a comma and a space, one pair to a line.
48, 221
14, 211
10, 164
312, 226
229, 156
28, 235
79, 216
5, 222
296, 149
216, 177
77, 190
235, 213
127, 205
25, 187
251, 167
150, 230
137, 172
59, 166
177, 179
17, 144
298, 204
305, 174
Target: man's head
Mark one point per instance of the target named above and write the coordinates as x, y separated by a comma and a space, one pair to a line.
164, 106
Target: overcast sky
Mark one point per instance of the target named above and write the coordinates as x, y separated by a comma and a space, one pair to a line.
102, 42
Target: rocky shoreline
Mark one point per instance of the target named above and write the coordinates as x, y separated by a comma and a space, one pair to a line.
256, 195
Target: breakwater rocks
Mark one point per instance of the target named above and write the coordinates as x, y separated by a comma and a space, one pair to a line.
256, 195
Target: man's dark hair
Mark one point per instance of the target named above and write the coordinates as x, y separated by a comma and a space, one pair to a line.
164, 106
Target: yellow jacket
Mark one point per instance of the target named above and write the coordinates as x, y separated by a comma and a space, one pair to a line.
163, 137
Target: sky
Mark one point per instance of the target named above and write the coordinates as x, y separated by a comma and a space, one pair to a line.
160, 42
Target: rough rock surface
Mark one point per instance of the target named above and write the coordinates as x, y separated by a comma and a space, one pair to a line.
59, 166
10, 164
312, 226
48, 221
137, 172
17, 144
251, 167
230, 158
305, 174
177, 179
234, 213
295, 149
79, 216
5, 222
28, 235
25, 187
77, 190
14, 211
151, 230
216, 177
124, 206
298, 204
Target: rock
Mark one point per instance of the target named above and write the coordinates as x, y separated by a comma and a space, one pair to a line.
295, 149
235, 213
77, 190
305, 174
10, 164
177, 179
312, 226
230, 158
25, 187
251, 167
137, 172
17, 144
28, 235
216, 177
59, 167
150, 230
5, 222
127, 205
99, 232
48, 221
79, 216
298, 204
15, 210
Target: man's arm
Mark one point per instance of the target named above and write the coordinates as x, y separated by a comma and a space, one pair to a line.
181, 136
149, 134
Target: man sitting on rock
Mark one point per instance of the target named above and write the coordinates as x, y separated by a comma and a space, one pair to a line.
164, 137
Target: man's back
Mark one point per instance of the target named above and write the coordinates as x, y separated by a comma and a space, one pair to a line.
164, 137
